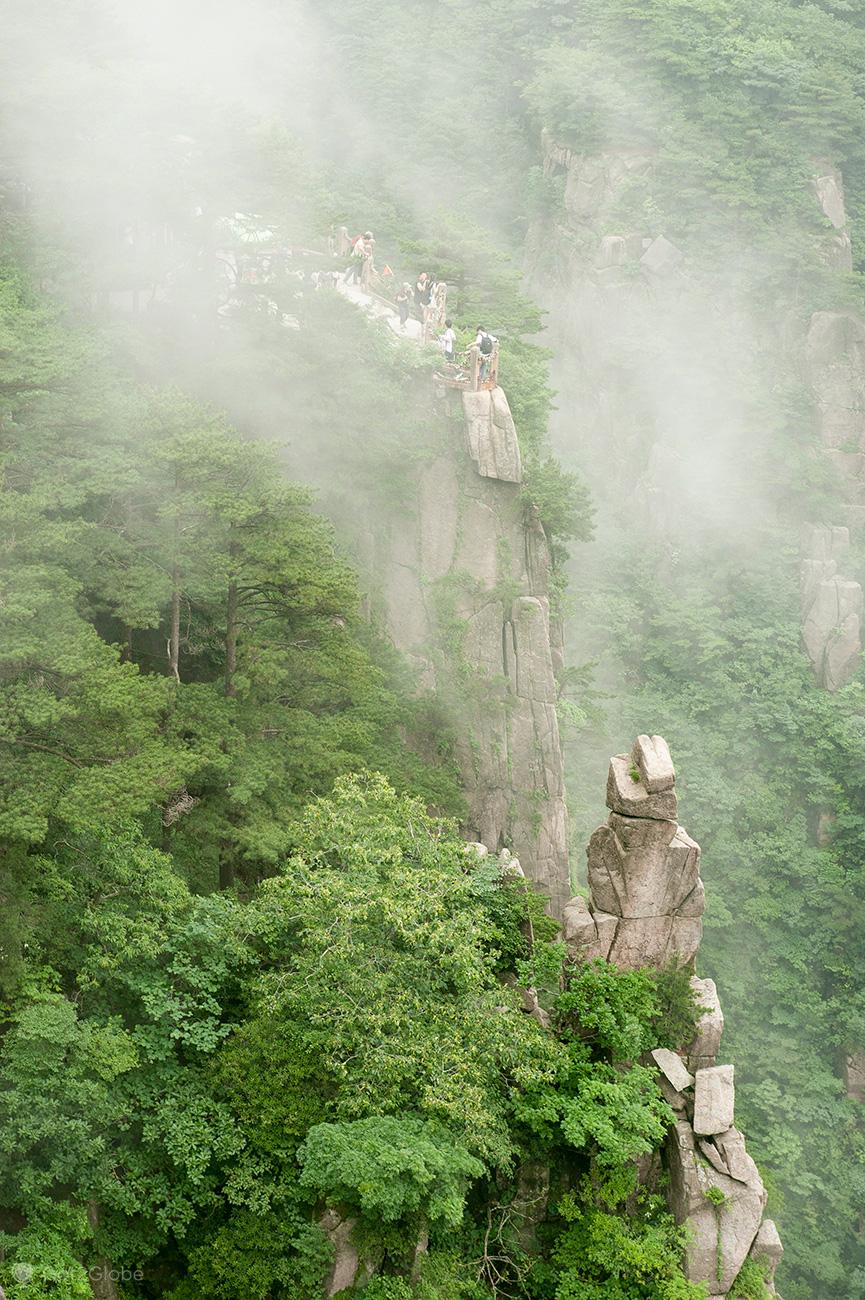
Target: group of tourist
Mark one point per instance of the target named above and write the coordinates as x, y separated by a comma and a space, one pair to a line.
362, 265
426, 299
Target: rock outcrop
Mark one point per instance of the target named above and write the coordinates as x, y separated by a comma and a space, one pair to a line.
646, 900
346, 1259
834, 354
716, 1189
491, 435
835, 366
465, 578
854, 1076
829, 191
832, 607
643, 870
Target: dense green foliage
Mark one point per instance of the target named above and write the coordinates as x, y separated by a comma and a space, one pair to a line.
180, 635
733, 103
212, 1073
191, 1076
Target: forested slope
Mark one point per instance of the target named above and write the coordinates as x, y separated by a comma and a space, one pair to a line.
229, 1004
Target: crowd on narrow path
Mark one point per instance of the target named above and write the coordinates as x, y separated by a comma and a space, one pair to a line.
417, 312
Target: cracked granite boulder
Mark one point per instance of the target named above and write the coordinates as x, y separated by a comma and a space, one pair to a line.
721, 1233
645, 909
643, 870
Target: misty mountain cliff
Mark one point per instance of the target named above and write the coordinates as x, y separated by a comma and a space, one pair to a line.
255, 552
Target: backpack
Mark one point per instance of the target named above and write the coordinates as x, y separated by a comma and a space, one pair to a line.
486, 345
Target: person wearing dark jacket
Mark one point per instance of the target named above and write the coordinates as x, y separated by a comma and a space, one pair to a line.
422, 291
485, 344
403, 302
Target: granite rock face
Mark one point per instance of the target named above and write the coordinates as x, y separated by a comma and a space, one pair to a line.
627, 794
767, 1248
643, 869
829, 191
832, 607
491, 436
465, 585
655, 764
703, 1051
672, 1067
835, 357
714, 1100
733, 1226
854, 1076
662, 256
346, 1263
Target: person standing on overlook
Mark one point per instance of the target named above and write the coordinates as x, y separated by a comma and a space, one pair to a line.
403, 304
366, 264
422, 291
361, 266
448, 341
484, 342
353, 269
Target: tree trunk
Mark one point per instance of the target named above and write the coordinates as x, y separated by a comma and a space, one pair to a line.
226, 865
174, 635
102, 1283
231, 641
174, 638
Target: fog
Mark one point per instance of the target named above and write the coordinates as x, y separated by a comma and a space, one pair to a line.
128, 119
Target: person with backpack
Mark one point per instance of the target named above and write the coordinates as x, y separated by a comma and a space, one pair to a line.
485, 343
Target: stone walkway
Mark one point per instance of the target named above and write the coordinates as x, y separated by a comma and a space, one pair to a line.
377, 310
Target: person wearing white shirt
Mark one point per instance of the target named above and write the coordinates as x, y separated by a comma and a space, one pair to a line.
448, 341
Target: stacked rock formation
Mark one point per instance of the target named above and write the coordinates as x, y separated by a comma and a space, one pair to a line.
832, 607
645, 908
465, 582
714, 1186
647, 897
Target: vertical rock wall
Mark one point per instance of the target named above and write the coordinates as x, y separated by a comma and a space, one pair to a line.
832, 607
465, 580
646, 900
834, 348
